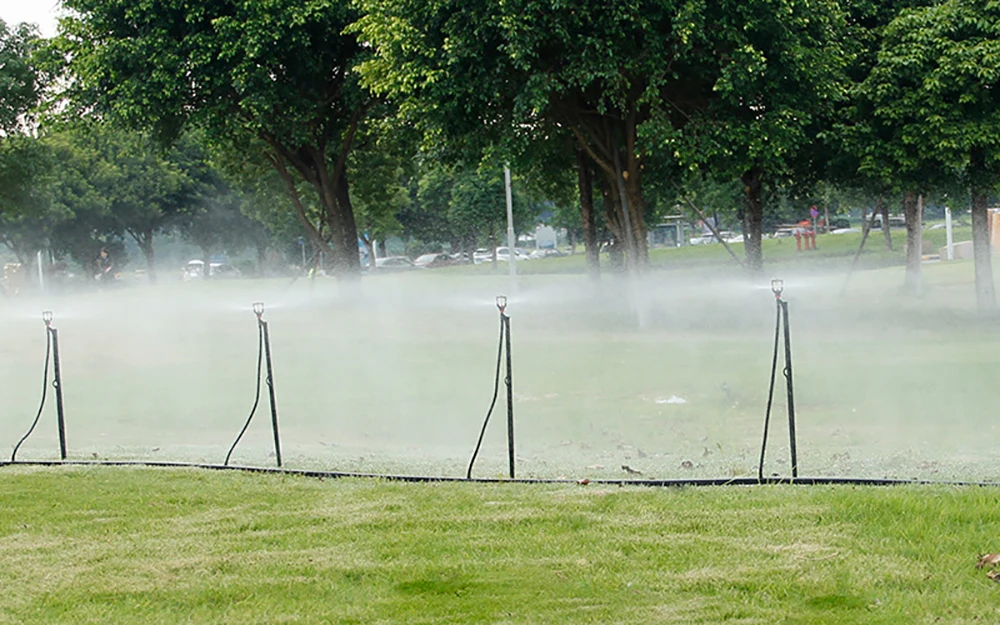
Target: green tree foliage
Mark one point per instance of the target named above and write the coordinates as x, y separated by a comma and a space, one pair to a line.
278, 72
21, 82
117, 183
751, 78
934, 102
24, 161
776, 73
27, 214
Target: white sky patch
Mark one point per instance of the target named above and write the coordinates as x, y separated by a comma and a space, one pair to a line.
43, 13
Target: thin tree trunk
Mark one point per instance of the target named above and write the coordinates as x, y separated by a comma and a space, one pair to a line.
591, 248
986, 298
300, 212
146, 245
752, 187
637, 210
493, 245
370, 246
348, 263
261, 258
616, 251
885, 226
206, 270
911, 211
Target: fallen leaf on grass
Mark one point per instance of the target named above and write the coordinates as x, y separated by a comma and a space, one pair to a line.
989, 559
994, 575
630, 470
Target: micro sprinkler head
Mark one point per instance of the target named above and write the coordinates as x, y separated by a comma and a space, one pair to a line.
501, 303
258, 309
777, 286
47, 317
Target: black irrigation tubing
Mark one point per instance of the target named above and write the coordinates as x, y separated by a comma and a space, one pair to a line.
496, 393
656, 483
45, 386
256, 399
770, 393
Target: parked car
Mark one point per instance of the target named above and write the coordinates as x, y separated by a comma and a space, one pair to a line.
434, 260
548, 252
195, 270
784, 233
394, 263
708, 238
503, 253
481, 255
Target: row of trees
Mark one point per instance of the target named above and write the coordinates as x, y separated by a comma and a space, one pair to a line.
72, 182
353, 109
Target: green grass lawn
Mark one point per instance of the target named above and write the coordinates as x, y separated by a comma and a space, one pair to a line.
833, 251
103, 545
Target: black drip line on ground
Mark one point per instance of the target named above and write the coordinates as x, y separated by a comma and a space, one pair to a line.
415, 479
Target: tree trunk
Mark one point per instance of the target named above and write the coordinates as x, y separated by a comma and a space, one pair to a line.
637, 210
591, 248
864, 221
278, 162
346, 261
754, 220
261, 249
493, 245
885, 226
206, 269
986, 298
911, 211
370, 246
145, 241
612, 216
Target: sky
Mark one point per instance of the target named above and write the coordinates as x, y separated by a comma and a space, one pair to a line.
41, 12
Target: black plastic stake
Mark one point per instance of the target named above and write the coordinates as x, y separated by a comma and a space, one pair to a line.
788, 387
270, 390
504, 340
57, 384
510, 396
777, 286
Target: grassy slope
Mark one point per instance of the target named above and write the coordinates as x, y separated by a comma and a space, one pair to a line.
832, 250
129, 546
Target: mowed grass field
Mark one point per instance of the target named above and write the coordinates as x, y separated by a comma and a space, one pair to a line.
105, 545
668, 375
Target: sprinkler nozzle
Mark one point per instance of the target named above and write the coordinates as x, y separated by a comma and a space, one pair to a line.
47, 317
777, 286
258, 309
501, 302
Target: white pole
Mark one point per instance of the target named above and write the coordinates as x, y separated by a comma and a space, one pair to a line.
947, 229
41, 273
510, 229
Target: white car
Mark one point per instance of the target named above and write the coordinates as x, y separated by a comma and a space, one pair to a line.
394, 263
195, 270
547, 253
503, 253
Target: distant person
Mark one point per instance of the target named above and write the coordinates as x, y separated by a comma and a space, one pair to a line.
103, 266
